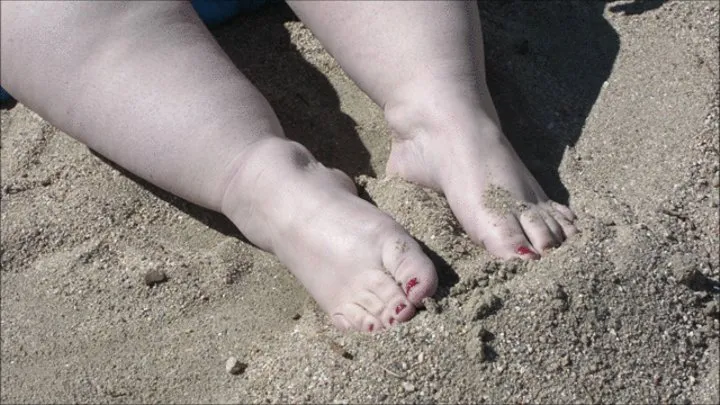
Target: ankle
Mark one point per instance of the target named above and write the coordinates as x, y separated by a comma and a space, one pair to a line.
439, 110
257, 173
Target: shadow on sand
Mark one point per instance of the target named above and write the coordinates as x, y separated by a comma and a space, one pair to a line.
546, 64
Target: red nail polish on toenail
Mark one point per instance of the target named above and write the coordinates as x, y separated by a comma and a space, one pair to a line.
391, 321
371, 327
410, 284
523, 250
399, 308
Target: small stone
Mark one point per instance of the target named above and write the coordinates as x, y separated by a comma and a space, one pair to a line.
484, 307
408, 386
477, 350
690, 276
431, 305
484, 334
711, 310
153, 277
296, 317
421, 357
337, 348
234, 366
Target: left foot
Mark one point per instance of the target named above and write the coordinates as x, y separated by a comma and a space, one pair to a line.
451, 141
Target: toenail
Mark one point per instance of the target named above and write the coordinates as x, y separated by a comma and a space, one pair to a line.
371, 327
399, 308
410, 284
523, 250
391, 321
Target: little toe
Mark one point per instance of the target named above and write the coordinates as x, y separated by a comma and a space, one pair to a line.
564, 210
354, 316
411, 268
569, 229
537, 230
341, 322
552, 224
506, 239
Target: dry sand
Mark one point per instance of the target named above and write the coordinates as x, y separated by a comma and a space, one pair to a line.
613, 106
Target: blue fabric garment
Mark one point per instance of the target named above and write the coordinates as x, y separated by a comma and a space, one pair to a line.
212, 12
215, 12
4, 95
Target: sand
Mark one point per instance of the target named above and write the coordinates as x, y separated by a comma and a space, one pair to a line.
613, 106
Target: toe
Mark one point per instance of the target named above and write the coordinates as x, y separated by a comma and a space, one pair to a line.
341, 322
370, 302
552, 224
354, 316
506, 239
537, 230
564, 210
396, 308
569, 229
399, 310
411, 268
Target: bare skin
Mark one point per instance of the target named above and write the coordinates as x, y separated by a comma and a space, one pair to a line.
145, 84
424, 63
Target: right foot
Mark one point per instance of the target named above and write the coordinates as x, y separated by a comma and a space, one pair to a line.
360, 265
448, 137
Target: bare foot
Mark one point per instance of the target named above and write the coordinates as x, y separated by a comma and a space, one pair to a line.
202, 131
451, 141
362, 268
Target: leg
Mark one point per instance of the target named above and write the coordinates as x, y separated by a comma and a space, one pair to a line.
145, 84
423, 62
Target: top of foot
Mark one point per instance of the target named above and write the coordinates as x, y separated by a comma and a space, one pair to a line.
361, 267
491, 192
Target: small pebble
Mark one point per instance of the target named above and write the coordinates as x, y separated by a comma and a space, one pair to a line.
690, 276
486, 306
431, 305
153, 277
408, 386
234, 366
484, 334
711, 309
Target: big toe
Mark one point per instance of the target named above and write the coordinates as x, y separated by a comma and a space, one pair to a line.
505, 238
412, 270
